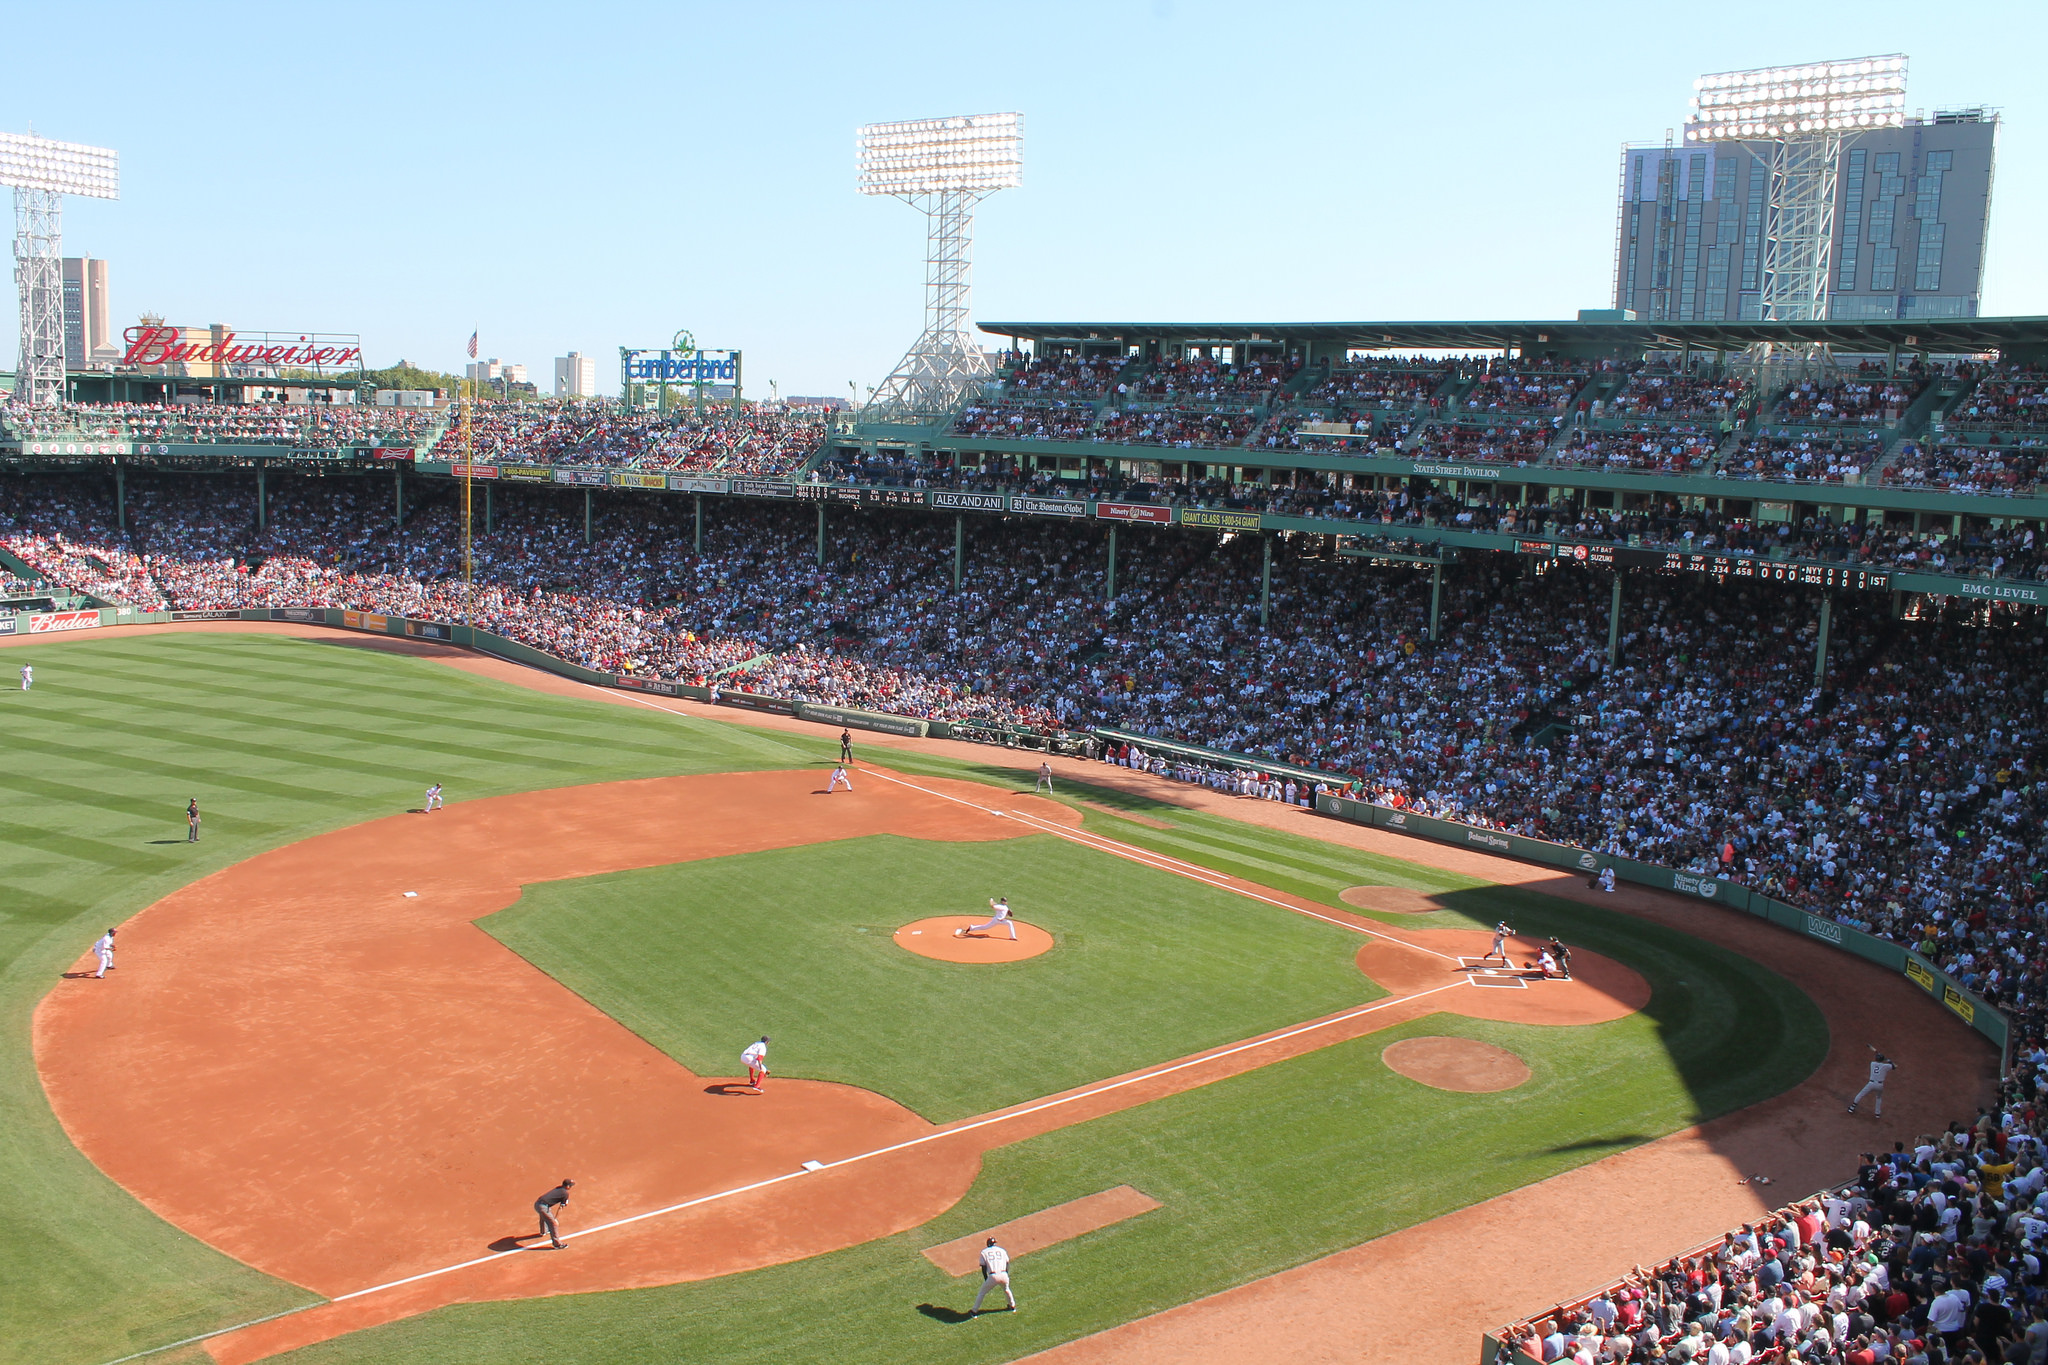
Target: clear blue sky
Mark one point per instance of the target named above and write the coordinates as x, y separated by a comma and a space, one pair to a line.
589, 176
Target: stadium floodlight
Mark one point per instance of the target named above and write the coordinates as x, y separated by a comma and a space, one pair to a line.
1805, 113
943, 166
41, 173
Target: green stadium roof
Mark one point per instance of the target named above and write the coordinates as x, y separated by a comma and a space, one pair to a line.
1945, 335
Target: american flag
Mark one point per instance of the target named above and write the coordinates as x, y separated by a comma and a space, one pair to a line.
472, 345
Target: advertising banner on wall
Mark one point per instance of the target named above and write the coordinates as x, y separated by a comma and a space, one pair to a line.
763, 488
1219, 520
584, 478
527, 473
968, 502
1050, 507
49, 621
697, 483
1133, 511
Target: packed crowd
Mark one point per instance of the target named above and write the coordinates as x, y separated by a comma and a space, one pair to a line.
2011, 398
1658, 447
754, 440
1866, 396
1657, 390
1705, 746
311, 424
1933, 1255
1804, 458
1523, 387
1962, 465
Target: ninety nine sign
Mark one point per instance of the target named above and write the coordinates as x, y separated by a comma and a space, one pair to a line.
151, 345
1133, 511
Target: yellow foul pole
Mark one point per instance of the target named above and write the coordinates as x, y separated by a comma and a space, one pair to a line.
468, 487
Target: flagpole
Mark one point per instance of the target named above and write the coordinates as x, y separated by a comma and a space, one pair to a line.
468, 486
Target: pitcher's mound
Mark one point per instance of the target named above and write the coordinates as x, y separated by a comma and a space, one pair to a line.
1392, 900
935, 938
1462, 1064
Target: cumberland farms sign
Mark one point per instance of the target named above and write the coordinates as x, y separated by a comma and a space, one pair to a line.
164, 345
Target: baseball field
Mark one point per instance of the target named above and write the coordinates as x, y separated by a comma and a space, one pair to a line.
346, 1042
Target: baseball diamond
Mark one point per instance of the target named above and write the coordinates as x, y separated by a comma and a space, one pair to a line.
1514, 836
400, 1019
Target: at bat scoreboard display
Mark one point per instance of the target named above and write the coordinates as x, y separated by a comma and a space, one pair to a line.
1720, 567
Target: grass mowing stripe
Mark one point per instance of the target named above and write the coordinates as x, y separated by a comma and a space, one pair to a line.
179, 712
71, 1231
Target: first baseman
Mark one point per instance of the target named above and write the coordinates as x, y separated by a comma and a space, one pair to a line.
1881, 1066
839, 779
999, 917
755, 1060
434, 797
1044, 780
103, 949
995, 1270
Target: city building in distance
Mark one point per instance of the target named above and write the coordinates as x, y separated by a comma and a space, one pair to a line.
575, 376
1910, 209
88, 337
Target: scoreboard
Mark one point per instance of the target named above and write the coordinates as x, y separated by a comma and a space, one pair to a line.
1720, 567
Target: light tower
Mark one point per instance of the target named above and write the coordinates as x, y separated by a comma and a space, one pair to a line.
943, 166
1803, 114
41, 173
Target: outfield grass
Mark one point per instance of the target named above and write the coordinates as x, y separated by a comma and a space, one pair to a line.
282, 738
796, 943
279, 739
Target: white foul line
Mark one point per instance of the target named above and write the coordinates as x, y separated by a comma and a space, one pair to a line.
938, 1135
1158, 861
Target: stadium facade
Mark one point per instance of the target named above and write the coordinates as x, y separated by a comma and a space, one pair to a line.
1912, 209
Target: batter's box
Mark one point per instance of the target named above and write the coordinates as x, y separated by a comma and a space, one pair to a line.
1512, 983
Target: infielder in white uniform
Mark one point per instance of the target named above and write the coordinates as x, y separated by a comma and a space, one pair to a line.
995, 1270
28, 677
1044, 780
839, 779
999, 917
1881, 1066
103, 949
434, 798
755, 1060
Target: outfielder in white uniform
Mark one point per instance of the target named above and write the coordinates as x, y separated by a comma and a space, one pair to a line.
434, 797
755, 1060
1881, 1066
28, 677
839, 779
103, 949
999, 918
995, 1270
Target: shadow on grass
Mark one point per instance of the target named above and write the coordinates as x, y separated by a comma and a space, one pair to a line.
1601, 1144
942, 1314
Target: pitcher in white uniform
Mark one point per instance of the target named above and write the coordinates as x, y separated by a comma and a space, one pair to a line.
999, 918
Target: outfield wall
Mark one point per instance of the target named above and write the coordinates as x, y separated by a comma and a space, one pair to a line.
1970, 1008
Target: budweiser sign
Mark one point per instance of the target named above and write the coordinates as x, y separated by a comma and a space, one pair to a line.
164, 345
